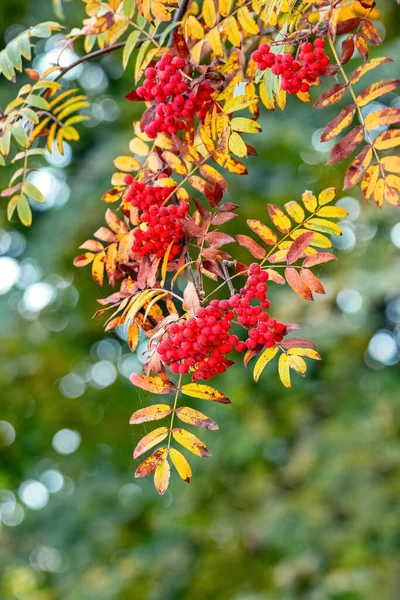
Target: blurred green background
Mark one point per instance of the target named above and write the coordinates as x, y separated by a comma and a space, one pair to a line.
301, 496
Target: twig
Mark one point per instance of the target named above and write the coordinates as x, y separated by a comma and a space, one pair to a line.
227, 278
177, 17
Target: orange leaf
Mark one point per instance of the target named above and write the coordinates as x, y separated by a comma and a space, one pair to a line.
318, 259
152, 384
150, 413
150, 440
297, 284
84, 259
311, 281
357, 168
299, 246
255, 249
150, 464
98, 267
133, 336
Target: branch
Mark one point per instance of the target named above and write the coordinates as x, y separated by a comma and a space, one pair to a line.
228, 278
177, 17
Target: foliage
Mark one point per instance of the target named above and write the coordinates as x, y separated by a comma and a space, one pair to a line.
138, 249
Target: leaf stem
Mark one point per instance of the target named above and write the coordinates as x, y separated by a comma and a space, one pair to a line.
178, 389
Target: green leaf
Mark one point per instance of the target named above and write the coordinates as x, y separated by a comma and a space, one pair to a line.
24, 211
37, 101
14, 54
129, 47
24, 45
30, 190
29, 114
128, 8
140, 58
42, 30
5, 66
20, 135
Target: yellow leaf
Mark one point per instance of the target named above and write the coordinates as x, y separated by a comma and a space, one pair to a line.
133, 336
295, 211
369, 181
225, 7
332, 212
139, 147
214, 40
161, 477
283, 369
245, 125
150, 464
165, 263
309, 352
393, 181
391, 164
181, 465
279, 219
232, 31
264, 359
309, 201
387, 139
165, 182
264, 232
196, 418
237, 145
298, 364
323, 226
375, 90
326, 196
174, 162
246, 21
197, 390
194, 29
209, 14
190, 442
379, 191
127, 164
151, 439
382, 117
155, 385
98, 268
368, 66
236, 103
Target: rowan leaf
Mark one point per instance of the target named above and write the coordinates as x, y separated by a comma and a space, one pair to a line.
205, 392
161, 476
346, 145
366, 67
369, 181
209, 14
331, 96
237, 146
323, 226
98, 267
283, 369
279, 219
391, 164
297, 284
156, 385
150, 413
133, 336
196, 418
311, 281
181, 465
84, 259
309, 201
245, 125
190, 442
127, 164
151, 463
265, 233
255, 249
332, 212
382, 117
246, 21
375, 90
326, 196
263, 360
357, 168
295, 211
318, 259
387, 139
308, 352
151, 439
336, 126
298, 247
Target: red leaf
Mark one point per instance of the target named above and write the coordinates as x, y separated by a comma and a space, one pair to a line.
318, 259
297, 343
299, 246
297, 284
331, 96
133, 97
223, 217
255, 249
348, 25
218, 238
347, 145
347, 50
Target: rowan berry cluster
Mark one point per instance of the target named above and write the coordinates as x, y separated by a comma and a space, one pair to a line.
143, 195
202, 342
296, 74
165, 85
160, 226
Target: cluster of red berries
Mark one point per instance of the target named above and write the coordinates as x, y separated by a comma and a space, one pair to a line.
160, 226
296, 74
202, 342
143, 195
165, 85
